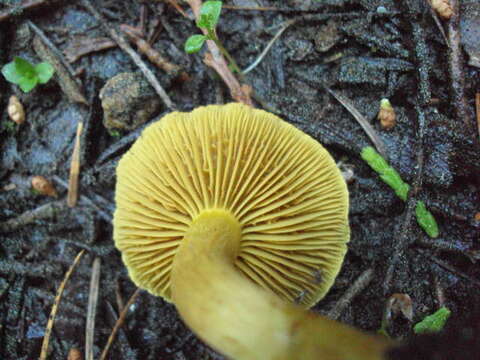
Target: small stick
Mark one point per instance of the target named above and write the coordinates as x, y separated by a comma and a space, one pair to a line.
86, 200
16, 9
118, 324
477, 109
153, 55
216, 60
438, 23
74, 170
52, 47
358, 286
456, 68
178, 8
372, 134
267, 48
450, 268
123, 44
42, 212
92, 309
53, 312
118, 296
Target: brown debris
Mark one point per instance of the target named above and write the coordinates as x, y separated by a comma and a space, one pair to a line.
443, 8
18, 9
43, 186
386, 115
15, 110
65, 79
84, 45
216, 60
153, 55
74, 170
74, 354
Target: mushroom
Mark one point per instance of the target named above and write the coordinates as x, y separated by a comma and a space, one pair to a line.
232, 214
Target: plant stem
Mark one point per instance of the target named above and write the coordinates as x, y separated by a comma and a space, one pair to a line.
241, 320
212, 35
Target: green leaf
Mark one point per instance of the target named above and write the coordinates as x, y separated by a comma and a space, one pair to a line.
374, 159
44, 72
10, 73
24, 68
392, 178
27, 84
209, 14
194, 43
426, 220
434, 322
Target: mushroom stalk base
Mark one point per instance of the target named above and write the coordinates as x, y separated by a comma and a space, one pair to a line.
241, 320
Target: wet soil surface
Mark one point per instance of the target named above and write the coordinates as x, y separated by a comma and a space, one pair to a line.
365, 50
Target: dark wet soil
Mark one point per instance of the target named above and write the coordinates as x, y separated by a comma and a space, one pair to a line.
352, 46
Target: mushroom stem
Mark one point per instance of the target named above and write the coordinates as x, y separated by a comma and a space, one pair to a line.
243, 321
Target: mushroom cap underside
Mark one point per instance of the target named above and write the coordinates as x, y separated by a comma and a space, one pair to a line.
280, 184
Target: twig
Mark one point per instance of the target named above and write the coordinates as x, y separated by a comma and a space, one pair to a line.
123, 44
438, 23
267, 48
74, 169
118, 324
118, 296
84, 45
371, 133
25, 5
154, 55
86, 200
177, 7
68, 83
42, 212
477, 109
216, 60
53, 312
449, 267
358, 286
423, 99
52, 47
92, 309
456, 68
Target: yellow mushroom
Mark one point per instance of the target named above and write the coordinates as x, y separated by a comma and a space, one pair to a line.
233, 214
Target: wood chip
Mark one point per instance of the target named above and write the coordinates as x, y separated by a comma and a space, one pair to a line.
74, 170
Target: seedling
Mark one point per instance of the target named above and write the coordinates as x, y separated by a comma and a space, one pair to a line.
208, 20
434, 322
392, 178
26, 75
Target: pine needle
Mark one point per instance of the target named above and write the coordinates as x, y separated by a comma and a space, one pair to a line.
56, 302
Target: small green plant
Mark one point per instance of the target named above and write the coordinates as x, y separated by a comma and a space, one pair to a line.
115, 133
26, 75
392, 178
434, 322
208, 20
